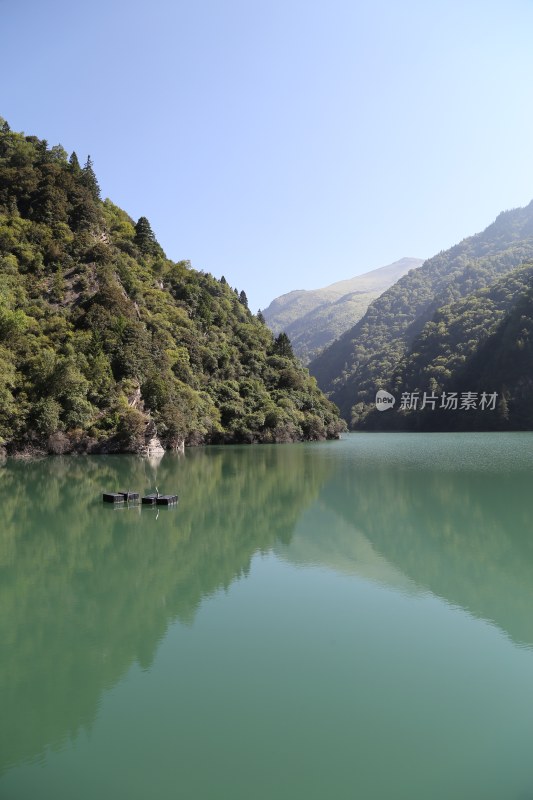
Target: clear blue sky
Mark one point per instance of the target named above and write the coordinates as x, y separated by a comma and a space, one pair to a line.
285, 144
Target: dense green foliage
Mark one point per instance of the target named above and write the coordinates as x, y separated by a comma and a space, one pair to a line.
314, 319
385, 348
480, 344
456, 331
105, 342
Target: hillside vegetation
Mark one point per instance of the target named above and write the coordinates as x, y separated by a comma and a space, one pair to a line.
423, 331
314, 319
481, 344
105, 342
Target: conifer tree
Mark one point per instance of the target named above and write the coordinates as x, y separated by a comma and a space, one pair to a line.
243, 299
145, 238
75, 166
260, 317
42, 150
89, 178
283, 346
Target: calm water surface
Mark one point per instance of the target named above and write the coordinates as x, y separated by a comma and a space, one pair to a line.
342, 620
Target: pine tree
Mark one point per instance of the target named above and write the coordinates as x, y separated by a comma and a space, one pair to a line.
145, 238
223, 281
89, 178
74, 163
283, 346
260, 317
243, 299
42, 151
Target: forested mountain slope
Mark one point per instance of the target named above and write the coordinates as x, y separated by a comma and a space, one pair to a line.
366, 357
447, 343
104, 342
483, 344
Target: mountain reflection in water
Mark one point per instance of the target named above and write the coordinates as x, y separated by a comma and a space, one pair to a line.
87, 590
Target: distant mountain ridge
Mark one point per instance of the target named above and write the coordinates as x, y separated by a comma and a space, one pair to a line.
314, 318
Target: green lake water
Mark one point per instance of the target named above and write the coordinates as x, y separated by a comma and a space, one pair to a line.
335, 620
